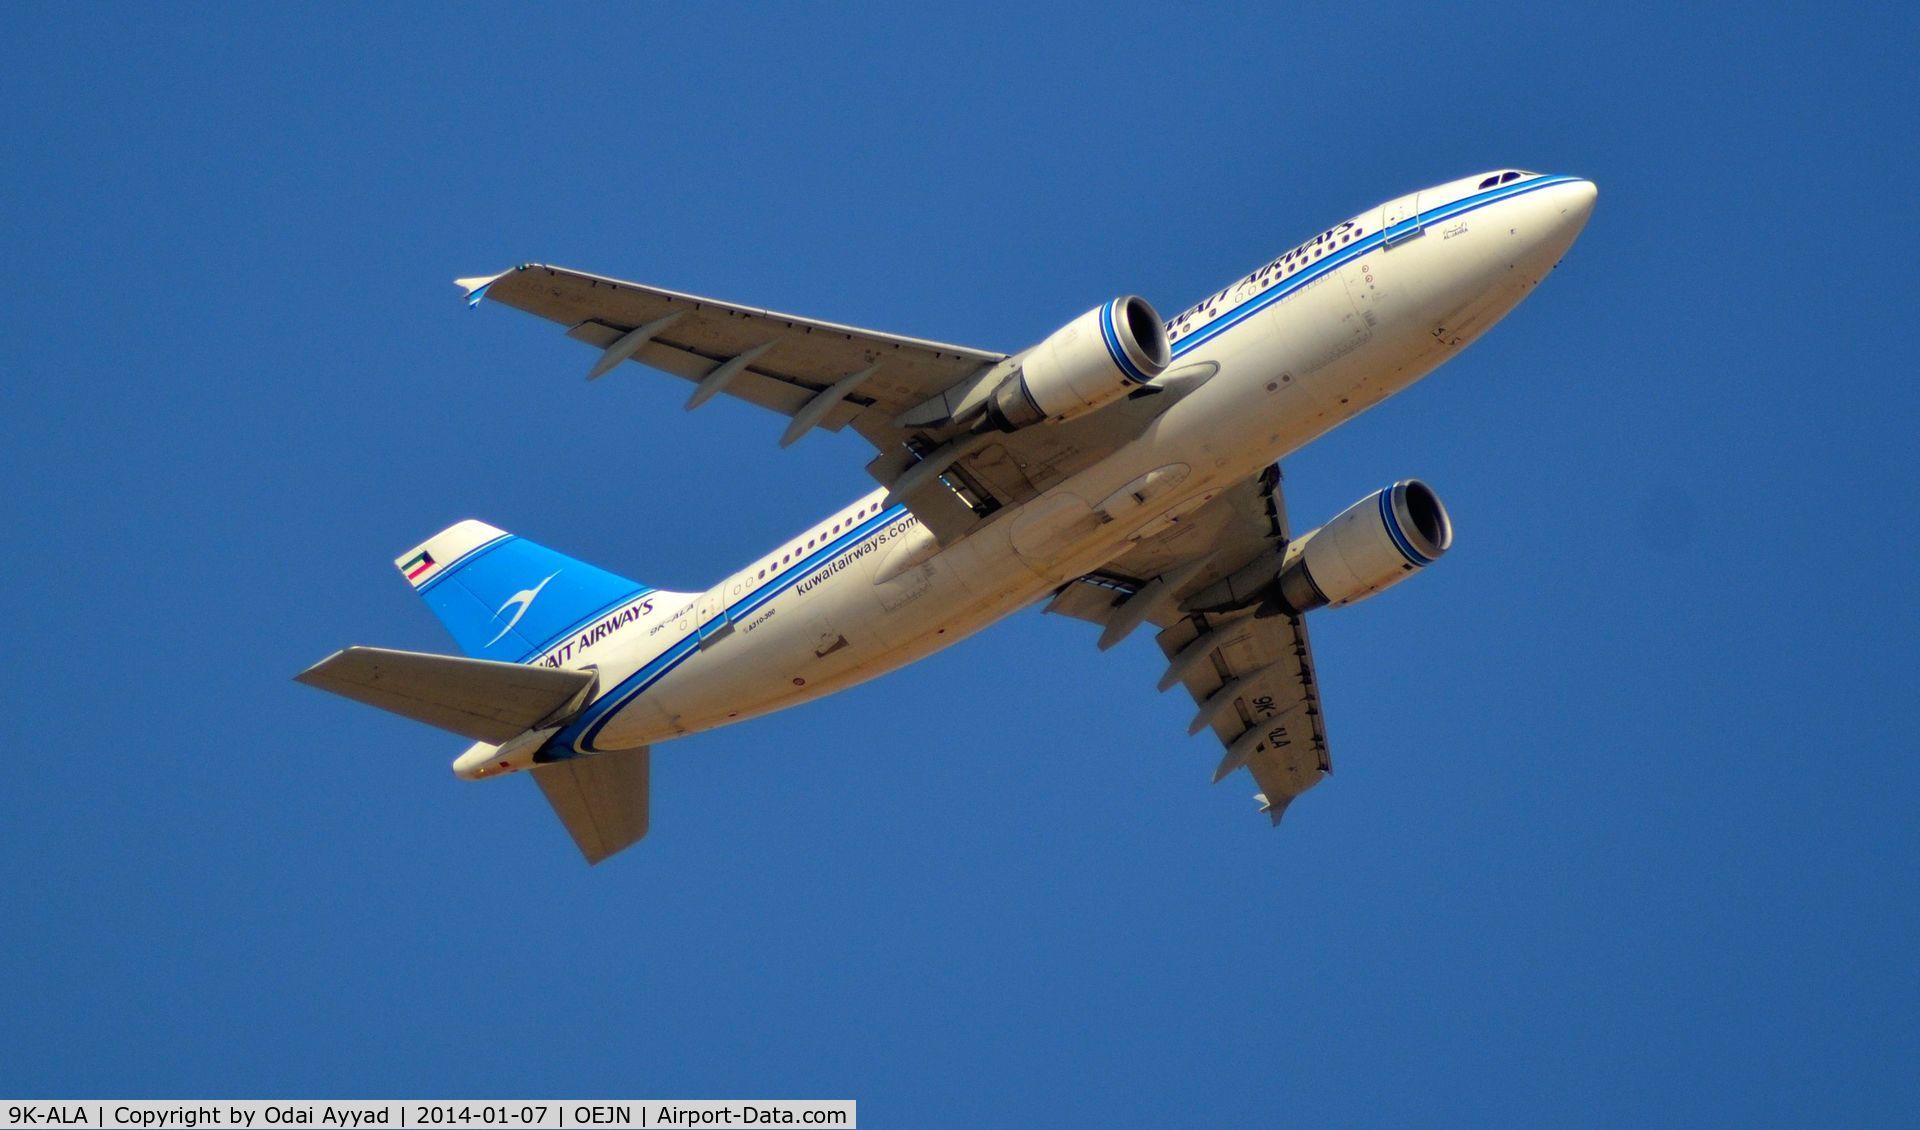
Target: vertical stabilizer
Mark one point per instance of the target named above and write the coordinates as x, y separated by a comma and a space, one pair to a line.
506, 598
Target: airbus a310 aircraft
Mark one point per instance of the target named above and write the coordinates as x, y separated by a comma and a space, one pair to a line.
1124, 468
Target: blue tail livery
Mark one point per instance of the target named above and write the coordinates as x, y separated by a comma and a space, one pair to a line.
506, 598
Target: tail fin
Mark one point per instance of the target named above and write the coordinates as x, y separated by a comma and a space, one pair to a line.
504, 597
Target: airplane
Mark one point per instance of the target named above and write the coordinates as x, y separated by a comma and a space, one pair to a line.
1125, 470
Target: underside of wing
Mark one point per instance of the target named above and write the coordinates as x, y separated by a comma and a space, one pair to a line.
1253, 684
825, 375
779, 361
1251, 676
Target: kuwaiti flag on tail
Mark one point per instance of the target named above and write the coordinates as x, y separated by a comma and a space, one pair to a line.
432, 561
446, 553
508, 599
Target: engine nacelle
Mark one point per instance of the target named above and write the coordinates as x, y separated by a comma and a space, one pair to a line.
1094, 360
1372, 545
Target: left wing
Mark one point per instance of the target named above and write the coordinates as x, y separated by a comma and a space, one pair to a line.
1251, 676
779, 361
820, 374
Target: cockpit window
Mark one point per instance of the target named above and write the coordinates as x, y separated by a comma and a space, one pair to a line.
1490, 181
1505, 177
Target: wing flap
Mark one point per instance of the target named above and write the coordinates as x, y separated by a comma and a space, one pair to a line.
1270, 724
1273, 724
476, 698
602, 799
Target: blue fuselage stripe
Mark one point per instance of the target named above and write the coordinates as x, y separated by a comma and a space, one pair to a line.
1360, 247
780, 582
578, 735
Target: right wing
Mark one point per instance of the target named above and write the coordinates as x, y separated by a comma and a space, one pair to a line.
1251, 676
1254, 685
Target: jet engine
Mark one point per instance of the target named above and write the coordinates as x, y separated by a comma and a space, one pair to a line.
1093, 360
1372, 545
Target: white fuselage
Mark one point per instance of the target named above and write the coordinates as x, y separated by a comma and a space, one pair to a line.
1259, 369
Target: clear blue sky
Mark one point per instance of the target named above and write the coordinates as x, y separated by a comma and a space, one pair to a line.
1622, 828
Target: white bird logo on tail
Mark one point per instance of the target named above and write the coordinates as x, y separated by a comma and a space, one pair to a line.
523, 598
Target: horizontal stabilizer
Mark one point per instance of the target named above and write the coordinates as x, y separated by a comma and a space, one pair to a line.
478, 698
602, 799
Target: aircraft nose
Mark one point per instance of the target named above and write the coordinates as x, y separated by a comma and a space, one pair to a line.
1550, 220
1575, 200
1582, 194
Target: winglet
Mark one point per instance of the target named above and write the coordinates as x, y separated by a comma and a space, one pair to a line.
476, 288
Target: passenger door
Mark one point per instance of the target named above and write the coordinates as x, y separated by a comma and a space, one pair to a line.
1400, 220
710, 613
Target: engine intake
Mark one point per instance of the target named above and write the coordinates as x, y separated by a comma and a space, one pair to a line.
1092, 361
1372, 545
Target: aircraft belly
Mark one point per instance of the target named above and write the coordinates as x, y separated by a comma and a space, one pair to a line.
1051, 526
1365, 334
638, 723
819, 638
